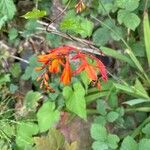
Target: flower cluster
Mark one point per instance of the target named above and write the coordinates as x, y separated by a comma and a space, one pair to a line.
58, 61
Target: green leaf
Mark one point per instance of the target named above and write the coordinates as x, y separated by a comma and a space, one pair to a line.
53, 40
31, 99
24, 134
75, 100
100, 120
94, 96
85, 79
116, 54
27, 128
30, 70
3, 19
136, 101
7, 8
127, 4
47, 116
138, 85
112, 116
15, 70
34, 14
101, 107
4, 78
13, 33
144, 144
147, 35
131, 90
77, 25
113, 141
98, 132
106, 6
101, 36
146, 130
99, 145
138, 48
13, 88
129, 144
130, 20
113, 99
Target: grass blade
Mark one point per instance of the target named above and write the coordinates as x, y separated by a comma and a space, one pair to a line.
147, 35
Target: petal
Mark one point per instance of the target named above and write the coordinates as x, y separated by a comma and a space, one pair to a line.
78, 70
91, 71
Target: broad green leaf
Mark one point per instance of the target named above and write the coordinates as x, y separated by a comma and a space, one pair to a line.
98, 132
147, 35
24, 134
4, 78
27, 128
47, 116
77, 25
7, 8
127, 4
106, 6
13, 88
31, 99
117, 55
30, 70
113, 140
129, 144
3, 19
13, 33
34, 14
112, 116
101, 36
75, 100
85, 79
113, 98
138, 48
101, 107
30, 27
53, 40
144, 144
136, 101
98, 145
146, 130
130, 20
100, 120
15, 70
54, 140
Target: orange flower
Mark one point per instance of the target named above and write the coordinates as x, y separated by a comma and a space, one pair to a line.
45, 58
54, 67
80, 6
90, 70
66, 74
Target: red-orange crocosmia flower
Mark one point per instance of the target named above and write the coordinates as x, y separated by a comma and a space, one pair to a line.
66, 74
60, 58
54, 67
92, 70
101, 68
